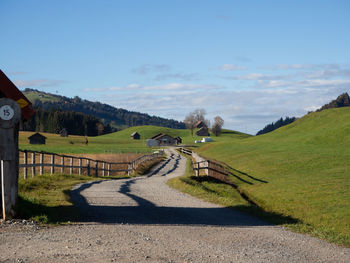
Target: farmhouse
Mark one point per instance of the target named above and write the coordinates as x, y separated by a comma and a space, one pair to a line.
135, 136
203, 132
164, 139
37, 138
200, 124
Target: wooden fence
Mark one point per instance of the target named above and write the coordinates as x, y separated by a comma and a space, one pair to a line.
44, 162
211, 168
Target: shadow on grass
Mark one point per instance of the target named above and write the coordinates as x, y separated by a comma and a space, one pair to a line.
251, 177
46, 214
252, 208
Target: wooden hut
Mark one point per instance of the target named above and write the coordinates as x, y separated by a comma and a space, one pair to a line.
135, 136
203, 132
37, 138
164, 139
200, 124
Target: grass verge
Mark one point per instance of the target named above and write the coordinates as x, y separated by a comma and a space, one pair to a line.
212, 190
46, 198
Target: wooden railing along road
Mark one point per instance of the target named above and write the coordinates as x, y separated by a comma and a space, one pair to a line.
52, 163
211, 168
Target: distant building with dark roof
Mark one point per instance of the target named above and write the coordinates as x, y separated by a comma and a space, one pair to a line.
37, 138
164, 139
203, 132
200, 124
135, 136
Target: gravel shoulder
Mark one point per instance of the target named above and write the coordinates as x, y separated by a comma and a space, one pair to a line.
143, 220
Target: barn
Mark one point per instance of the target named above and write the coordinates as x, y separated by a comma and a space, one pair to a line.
135, 136
37, 138
203, 132
164, 139
200, 124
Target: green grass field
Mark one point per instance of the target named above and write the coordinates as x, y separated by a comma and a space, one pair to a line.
306, 170
118, 142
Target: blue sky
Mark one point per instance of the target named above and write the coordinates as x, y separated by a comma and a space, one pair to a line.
250, 62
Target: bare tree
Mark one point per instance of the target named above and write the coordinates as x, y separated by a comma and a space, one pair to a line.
199, 115
190, 122
217, 126
194, 117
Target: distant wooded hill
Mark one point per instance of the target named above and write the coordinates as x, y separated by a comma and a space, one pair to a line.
109, 116
275, 125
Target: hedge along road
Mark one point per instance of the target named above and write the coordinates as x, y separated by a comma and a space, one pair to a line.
143, 220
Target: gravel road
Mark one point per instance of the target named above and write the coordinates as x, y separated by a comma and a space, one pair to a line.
143, 220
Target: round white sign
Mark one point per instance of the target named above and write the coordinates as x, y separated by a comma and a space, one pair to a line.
6, 112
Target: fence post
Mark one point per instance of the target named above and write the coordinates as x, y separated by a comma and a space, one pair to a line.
10, 115
108, 169
129, 168
197, 170
52, 164
71, 165
41, 163
80, 165
88, 167
62, 163
33, 163
96, 169
25, 161
208, 169
103, 169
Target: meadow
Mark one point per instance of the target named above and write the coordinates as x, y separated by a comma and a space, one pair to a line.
300, 171
118, 142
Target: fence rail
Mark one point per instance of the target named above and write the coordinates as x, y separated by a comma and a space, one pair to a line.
211, 168
52, 163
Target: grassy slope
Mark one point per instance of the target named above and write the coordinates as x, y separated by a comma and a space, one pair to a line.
33, 95
114, 143
306, 165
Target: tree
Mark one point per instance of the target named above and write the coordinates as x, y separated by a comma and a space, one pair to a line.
217, 126
190, 121
199, 115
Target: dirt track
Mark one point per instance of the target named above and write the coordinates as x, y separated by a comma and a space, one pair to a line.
143, 220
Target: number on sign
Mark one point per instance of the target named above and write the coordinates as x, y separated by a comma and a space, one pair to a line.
6, 112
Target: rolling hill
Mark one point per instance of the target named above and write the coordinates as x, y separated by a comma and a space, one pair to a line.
306, 169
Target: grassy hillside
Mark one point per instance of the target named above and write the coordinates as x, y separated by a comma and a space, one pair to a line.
33, 95
115, 142
306, 169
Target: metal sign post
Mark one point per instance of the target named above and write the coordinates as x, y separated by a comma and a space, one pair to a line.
10, 115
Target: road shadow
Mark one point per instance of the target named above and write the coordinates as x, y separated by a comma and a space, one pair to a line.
146, 212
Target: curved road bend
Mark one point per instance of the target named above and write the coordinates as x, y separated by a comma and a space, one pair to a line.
143, 220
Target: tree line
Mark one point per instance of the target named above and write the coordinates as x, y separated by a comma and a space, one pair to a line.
275, 125
76, 123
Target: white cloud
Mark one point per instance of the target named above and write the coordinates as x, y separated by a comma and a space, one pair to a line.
37, 83
151, 68
231, 67
177, 76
